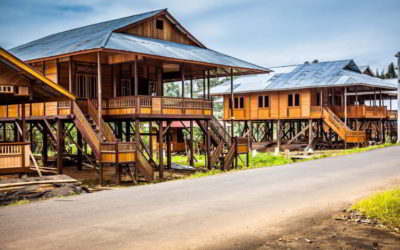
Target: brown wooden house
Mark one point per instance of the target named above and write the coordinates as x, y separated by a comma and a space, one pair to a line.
21, 88
319, 102
117, 70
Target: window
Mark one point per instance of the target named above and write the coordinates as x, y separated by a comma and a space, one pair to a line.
86, 86
126, 87
319, 98
263, 101
266, 101
290, 100
159, 24
260, 102
297, 100
236, 103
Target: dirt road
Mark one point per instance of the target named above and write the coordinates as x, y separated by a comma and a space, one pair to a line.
207, 212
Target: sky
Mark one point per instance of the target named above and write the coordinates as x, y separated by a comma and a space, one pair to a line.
267, 33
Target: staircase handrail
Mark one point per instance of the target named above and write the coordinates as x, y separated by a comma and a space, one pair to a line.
221, 130
86, 126
105, 128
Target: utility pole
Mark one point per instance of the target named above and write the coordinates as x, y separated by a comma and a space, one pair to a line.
398, 96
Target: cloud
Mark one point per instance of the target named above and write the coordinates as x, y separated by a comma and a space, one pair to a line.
267, 33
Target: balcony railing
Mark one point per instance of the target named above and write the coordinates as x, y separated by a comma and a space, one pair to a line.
155, 105
14, 157
125, 105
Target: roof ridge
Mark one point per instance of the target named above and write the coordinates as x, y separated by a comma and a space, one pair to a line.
85, 26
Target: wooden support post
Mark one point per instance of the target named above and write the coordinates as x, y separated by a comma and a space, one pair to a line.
183, 80
45, 150
250, 134
137, 145
208, 149
23, 134
310, 132
69, 74
278, 133
358, 144
80, 153
161, 149
345, 117
160, 89
191, 87
117, 166
191, 161
151, 138
135, 75
60, 148
232, 101
204, 85
208, 85
114, 70
168, 133
99, 94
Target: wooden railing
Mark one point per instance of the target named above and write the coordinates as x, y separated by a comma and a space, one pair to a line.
14, 155
392, 114
229, 157
155, 105
86, 129
105, 128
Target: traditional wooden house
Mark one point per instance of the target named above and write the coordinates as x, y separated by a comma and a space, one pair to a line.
322, 102
21, 88
117, 70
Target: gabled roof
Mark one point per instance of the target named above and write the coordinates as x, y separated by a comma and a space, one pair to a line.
84, 38
43, 89
308, 75
366, 69
106, 35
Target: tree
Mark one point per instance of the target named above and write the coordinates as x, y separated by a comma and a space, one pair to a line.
391, 72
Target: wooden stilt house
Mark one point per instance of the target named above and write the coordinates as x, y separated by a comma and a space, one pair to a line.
117, 70
330, 103
23, 93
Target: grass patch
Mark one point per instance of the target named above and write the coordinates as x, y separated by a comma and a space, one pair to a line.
269, 159
384, 206
18, 203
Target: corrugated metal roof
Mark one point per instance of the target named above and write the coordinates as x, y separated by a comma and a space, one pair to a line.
162, 48
79, 39
103, 35
308, 75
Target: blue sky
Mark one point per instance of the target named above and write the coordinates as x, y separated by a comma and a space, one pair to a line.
268, 33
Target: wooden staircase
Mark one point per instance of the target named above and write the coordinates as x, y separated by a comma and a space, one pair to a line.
224, 147
337, 125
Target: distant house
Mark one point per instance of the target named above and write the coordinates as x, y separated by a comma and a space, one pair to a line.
328, 97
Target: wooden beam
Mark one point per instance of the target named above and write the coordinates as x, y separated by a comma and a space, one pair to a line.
160, 150
99, 95
60, 148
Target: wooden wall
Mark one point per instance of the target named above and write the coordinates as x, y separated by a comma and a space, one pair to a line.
278, 106
169, 33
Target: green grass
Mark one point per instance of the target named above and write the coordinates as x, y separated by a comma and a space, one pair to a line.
268, 159
384, 206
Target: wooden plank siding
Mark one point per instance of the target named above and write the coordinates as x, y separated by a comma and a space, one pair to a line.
308, 109
168, 33
277, 109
